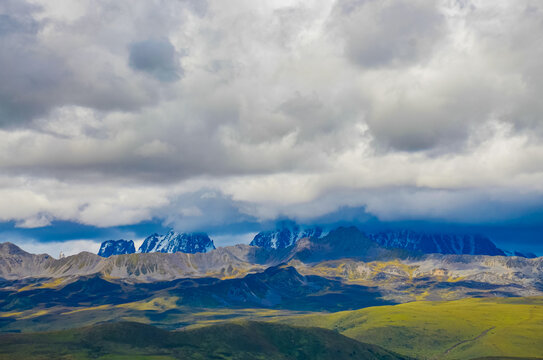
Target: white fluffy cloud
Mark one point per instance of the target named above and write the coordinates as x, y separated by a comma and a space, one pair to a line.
280, 108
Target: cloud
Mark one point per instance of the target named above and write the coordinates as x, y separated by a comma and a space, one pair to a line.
230, 240
36, 202
157, 58
389, 33
30, 73
64, 55
207, 210
113, 113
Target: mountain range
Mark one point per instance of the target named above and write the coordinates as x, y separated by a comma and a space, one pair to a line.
344, 253
287, 236
344, 270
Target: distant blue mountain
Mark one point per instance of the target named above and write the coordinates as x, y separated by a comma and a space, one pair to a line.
116, 247
177, 242
285, 236
437, 243
428, 243
288, 235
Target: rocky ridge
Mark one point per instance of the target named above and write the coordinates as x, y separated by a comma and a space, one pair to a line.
173, 242
116, 247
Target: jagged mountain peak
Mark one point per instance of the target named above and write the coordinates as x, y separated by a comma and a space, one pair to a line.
196, 242
11, 249
285, 236
116, 247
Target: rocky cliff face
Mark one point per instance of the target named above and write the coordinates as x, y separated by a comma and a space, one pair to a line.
173, 242
116, 247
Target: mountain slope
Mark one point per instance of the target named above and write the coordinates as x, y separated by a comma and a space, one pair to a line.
242, 340
279, 287
462, 329
116, 247
173, 242
436, 276
16, 263
343, 242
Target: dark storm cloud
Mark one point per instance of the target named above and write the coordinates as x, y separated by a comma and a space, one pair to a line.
157, 58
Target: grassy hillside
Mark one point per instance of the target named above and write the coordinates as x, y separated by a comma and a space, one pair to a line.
462, 329
242, 340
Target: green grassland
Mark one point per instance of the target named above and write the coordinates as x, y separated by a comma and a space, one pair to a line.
462, 329
241, 340
164, 312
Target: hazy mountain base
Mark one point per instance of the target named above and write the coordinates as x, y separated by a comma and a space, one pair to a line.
245, 340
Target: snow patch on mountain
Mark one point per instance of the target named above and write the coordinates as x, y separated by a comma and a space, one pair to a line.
173, 241
285, 236
116, 247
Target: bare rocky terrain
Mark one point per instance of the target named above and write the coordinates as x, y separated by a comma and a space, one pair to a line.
399, 276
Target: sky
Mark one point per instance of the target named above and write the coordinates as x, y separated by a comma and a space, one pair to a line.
121, 118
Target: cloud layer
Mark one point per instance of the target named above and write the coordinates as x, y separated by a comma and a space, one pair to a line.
213, 113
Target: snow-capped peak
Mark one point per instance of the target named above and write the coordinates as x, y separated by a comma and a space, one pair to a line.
177, 242
285, 236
